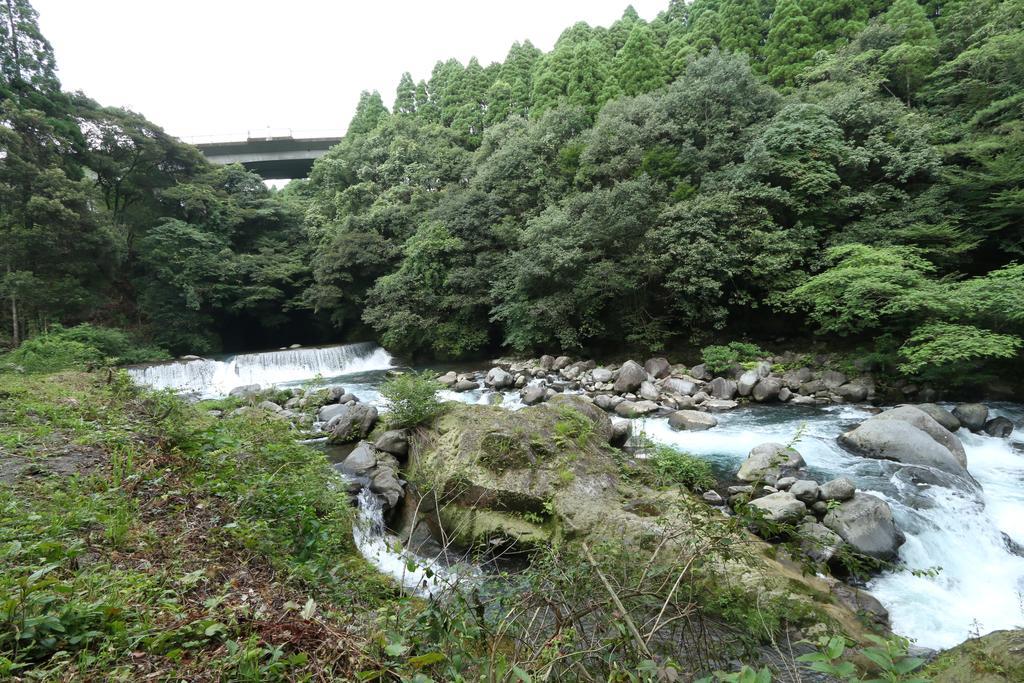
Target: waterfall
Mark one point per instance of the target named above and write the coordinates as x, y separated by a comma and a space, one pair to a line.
417, 575
210, 378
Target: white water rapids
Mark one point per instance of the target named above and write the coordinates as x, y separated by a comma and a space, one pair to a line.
979, 584
212, 378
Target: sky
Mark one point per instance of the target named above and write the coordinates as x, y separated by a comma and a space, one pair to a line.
225, 67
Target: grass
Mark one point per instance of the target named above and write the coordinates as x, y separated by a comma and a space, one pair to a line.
141, 538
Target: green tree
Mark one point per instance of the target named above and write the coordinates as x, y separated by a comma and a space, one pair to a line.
369, 113
837, 21
405, 96
640, 65
26, 57
790, 45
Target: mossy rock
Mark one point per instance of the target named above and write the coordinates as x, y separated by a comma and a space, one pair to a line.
995, 658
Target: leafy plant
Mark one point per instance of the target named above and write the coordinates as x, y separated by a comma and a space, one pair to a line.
721, 358
411, 399
678, 468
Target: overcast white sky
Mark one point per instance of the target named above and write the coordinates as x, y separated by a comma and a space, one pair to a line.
216, 67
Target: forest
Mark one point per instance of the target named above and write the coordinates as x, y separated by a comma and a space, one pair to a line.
846, 171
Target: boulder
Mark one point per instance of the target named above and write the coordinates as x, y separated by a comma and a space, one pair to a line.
852, 392
533, 394
718, 405
547, 362
658, 367
940, 415
798, 400
361, 460
722, 388
745, 384
925, 422
631, 376
713, 497
346, 398
572, 372
795, 378
769, 460
818, 542
649, 391
329, 412
894, 437
838, 489
385, 483
971, 415
244, 392
785, 394
498, 378
767, 389
682, 387
999, 427
269, 406
465, 385
865, 522
354, 422
605, 401
394, 441
601, 375
621, 431
449, 378
833, 379
781, 506
602, 423
561, 362
692, 420
805, 490
700, 372
635, 408
784, 483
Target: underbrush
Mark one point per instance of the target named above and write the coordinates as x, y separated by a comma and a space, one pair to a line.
82, 346
183, 547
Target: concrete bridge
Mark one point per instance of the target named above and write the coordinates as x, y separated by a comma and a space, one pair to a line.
272, 154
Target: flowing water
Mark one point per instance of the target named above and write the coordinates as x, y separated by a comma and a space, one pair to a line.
209, 378
955, 529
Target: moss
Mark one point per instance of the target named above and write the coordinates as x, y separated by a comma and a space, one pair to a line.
995, 658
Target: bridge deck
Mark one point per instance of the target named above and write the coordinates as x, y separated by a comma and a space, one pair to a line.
273, 157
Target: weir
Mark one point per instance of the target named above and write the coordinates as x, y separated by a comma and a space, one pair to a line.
210, 378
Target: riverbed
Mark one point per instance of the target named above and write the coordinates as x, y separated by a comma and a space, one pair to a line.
959, 575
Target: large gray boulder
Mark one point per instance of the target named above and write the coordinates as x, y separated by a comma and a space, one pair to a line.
533, 394
999, 427
767, 389
972, 415
560, 363
718, 405
940, 415
838, 489
926, 423
781, 506
635, 408
866, 523
465, 384
354, 422
833, 379
745, 384
394, 441
818, 542
244, 392
908, 436
329, 412
700, 372
805, 490
601, 375
499, 378
658, 367
649, 391
602, 423
769, 461
852, 392
683, 387
631, 376
361, 460
722, 388
692, 420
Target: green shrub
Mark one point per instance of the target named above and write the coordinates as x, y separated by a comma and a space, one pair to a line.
82, 346
676, 467
411, 399
721, 358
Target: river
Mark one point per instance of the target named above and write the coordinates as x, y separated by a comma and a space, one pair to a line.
959, 576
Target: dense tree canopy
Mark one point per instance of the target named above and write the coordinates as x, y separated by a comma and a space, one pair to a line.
850, 168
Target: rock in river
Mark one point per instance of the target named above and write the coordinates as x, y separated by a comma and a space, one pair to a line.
354, 422
865, 522
769, 461
693, 420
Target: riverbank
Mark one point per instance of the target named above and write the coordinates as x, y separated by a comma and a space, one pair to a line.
143, 539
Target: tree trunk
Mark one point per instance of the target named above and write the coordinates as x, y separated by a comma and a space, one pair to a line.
15, 340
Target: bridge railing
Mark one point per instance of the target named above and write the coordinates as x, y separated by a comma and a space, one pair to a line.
265, 134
